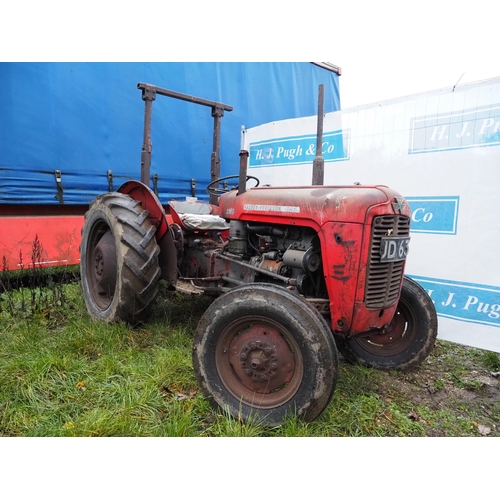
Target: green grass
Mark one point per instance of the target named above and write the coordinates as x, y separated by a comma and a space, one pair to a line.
62, 374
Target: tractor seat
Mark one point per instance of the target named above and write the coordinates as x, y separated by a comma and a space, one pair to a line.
196, 216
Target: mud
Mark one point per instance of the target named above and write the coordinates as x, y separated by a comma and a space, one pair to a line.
457, 384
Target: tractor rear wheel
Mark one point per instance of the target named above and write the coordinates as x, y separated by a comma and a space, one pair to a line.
262, 353
405, 342
119, 259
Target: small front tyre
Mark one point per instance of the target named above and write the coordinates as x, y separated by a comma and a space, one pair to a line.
261, 352
405, 342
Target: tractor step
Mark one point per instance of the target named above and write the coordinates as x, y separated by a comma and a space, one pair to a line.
188, 288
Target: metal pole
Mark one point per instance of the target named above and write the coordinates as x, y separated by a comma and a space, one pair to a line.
318, 170
184, 97
217, 113
242, 182
148, 96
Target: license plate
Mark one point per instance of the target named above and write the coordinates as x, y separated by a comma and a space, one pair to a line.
394, 248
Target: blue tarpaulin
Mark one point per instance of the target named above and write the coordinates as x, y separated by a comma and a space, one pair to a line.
85, 119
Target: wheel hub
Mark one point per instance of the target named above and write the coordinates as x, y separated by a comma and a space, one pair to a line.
393, 332
104, 269
261, 359
259, 362
393, 339
258, 359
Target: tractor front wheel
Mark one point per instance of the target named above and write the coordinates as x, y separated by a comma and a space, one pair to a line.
405, 342
118, 259
262, 353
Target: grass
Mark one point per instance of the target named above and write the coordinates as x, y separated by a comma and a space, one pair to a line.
62, 374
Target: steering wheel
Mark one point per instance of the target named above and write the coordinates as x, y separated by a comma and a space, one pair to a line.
214, 189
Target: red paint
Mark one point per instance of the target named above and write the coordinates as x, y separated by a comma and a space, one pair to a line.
139, 191
342, 216
58, 235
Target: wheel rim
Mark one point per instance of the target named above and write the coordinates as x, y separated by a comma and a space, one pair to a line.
395, 337
101, 266
259, 362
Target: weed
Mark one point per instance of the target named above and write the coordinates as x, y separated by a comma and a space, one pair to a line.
227, 425
438, 385
296, 427
491, 360
179, 422
34, 290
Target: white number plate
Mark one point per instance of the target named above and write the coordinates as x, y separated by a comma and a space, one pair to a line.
394, 248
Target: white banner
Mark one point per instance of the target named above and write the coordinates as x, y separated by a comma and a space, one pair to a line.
441, 150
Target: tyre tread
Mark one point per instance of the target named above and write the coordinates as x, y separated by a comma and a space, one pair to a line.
140, 272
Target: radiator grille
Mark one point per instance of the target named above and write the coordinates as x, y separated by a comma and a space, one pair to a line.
384, 278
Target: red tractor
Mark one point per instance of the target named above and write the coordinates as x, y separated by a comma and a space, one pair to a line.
299, 272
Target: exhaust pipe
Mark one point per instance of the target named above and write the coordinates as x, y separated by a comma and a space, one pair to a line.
244, 154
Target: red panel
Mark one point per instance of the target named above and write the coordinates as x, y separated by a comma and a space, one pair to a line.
341, 262
59, 238
315, 204
150, 202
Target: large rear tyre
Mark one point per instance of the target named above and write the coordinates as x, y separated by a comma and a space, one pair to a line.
405, 342
119, 259
262, 353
